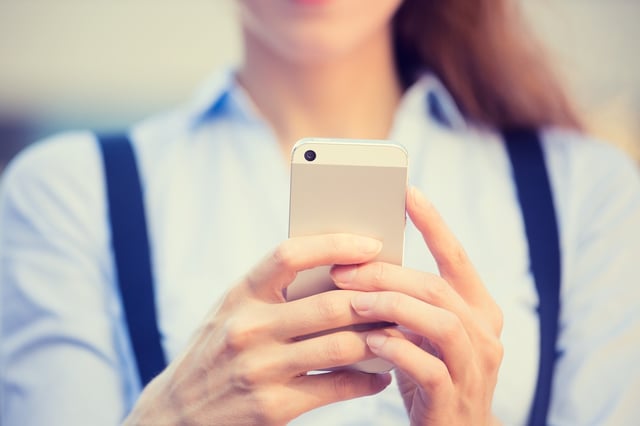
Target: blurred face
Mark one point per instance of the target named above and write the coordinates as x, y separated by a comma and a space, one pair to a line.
316, 30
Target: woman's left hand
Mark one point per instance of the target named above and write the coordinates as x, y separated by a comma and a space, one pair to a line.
447, 361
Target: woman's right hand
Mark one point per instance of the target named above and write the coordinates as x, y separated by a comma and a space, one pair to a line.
246, 363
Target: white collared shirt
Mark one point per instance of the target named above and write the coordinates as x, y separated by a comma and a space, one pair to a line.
216, 194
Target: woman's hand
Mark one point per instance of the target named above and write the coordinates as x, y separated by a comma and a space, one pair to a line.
448, 359
245, 364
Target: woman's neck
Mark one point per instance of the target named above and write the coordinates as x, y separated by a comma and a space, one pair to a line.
351, 96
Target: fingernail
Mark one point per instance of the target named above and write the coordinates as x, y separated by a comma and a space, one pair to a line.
369, 245
363, 302
344, 274
376, 340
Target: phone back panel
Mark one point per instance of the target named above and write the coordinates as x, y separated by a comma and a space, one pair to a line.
353, 187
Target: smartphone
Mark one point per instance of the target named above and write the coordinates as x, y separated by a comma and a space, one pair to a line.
353, 186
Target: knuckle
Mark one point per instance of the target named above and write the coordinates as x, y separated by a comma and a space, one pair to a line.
327, 307
450, 327
393, 303
209, 326
389, 303
495, 355
253, 281
455, 256
238, 335
334, 351
247, 374
283, 256
379, 274
436, 289
475, 389
287, 279
437, 378
342, 386
489, 349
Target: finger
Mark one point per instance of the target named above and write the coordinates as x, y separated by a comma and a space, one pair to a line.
329, 351
453, 263
443, 329
430, 288
426, 370
380, 276
314, 314
268, 280
279, 403
292, 321
273, 362
323, 389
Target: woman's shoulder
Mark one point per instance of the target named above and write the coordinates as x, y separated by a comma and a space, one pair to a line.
52, 197
596, 187
578, 149
582, 167
66, 162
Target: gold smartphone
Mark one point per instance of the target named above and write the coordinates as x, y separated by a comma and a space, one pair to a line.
353, 186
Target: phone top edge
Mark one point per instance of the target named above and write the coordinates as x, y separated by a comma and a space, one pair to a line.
334, 151
347, 141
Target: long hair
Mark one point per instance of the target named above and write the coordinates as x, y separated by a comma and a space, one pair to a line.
481, 50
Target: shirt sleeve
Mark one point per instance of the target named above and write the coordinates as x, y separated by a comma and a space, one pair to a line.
597, 189
62, 356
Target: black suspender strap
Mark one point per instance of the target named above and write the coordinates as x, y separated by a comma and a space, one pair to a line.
131, 252
536, 202
133, 264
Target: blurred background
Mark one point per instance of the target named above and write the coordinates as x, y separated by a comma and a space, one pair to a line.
104, 64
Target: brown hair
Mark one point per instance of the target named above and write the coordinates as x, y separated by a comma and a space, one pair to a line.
496, 72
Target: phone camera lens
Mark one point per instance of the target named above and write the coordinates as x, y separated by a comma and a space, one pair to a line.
310, 155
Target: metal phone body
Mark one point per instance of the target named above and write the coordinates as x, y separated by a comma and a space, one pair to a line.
347, 186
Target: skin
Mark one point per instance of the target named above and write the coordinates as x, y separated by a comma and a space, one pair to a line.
319, 69
245, 364
324, 71
448, 358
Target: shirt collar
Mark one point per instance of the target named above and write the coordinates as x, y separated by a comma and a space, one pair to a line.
221, 95
429, 97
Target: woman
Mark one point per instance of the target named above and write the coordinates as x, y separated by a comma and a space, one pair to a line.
441, 78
